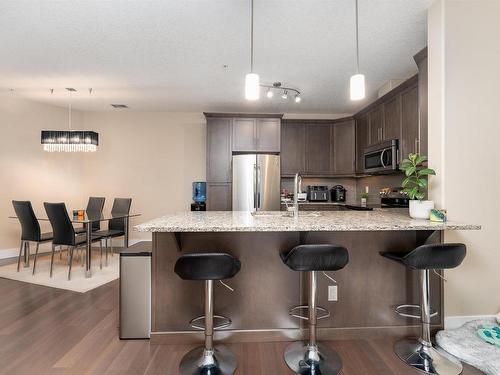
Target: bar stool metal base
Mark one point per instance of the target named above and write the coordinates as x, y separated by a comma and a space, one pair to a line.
426, 359
317, 359
219, 361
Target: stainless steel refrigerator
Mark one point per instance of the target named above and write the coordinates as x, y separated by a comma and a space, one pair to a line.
256, 182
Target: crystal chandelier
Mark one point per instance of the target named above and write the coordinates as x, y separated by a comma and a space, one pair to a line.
69, 140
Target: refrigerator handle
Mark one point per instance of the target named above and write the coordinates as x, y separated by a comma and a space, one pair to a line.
258, 186
255, 186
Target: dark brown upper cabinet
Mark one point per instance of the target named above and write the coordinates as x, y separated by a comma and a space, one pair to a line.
256, 134
392, 118
244, 134
344, 148
376, 125
293, 148
318, 149
361, 141
219, 149
410, 132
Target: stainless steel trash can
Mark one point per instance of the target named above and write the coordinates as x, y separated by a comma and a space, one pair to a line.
135, 291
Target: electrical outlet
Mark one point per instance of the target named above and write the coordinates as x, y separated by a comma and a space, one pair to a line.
332, 293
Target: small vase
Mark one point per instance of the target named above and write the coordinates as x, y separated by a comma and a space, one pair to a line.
421, 209
363, 202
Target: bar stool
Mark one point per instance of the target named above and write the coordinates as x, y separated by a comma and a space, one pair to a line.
420, 354
311, 357
209, 359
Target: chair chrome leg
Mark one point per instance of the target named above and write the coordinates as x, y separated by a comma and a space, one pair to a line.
26, 254
111, 245
20, 255
420, 353
70, 262
52, 259
36, 254
311, 357
209, 359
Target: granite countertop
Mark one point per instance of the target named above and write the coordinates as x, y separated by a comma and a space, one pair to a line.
310, 221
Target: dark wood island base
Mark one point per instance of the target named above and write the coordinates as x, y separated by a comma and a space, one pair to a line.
369, 287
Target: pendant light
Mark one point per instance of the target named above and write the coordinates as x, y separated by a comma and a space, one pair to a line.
357, 80
252, 80
69, 140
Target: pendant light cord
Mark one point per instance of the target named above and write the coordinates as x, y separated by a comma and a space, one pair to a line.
357, 39
69, 110
251, 42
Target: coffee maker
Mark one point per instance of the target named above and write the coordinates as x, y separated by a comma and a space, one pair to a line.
199, 196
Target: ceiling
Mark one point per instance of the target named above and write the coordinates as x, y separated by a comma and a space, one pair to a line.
192, 55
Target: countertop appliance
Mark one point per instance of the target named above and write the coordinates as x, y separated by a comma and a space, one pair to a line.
338, 193
256, 182
317, 193
381, 158
394, 197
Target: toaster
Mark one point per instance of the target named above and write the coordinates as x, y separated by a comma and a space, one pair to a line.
317, 193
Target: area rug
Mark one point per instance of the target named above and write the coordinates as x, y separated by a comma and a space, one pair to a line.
78, 283
464, 344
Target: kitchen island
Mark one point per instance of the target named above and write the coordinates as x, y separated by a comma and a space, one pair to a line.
265, 289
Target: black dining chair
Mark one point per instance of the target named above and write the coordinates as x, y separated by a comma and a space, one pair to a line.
95, 206
30, 230
116, 227
64, 233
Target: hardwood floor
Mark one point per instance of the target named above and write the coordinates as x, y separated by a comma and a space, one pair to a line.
50, 331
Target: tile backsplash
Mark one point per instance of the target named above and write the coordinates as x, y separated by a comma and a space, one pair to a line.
354, 186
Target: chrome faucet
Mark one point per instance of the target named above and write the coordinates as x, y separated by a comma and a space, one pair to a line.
297, 187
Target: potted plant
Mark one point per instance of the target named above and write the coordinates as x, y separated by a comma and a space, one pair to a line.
415, 183
364, 197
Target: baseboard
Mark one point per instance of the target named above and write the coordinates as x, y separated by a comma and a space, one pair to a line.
452, 322
46, 248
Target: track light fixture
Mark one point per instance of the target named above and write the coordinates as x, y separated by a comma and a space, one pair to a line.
283, 91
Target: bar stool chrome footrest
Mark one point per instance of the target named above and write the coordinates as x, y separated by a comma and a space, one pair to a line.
425, 358
325, 312
224, 322
220, 361
400, 310
303, 358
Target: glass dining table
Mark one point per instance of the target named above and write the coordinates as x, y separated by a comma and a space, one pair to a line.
87, 219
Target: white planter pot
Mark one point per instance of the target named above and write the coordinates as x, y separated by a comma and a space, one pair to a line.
363, 202
421, 209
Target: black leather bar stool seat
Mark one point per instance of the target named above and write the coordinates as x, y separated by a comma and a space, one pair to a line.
312, 357
420, 354
207, 266
208, 359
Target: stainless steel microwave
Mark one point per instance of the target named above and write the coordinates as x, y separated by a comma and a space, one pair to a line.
381, 158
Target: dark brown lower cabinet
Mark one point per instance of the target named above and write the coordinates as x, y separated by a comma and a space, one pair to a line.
219, 197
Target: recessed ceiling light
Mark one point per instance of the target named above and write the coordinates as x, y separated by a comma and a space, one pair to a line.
119, 105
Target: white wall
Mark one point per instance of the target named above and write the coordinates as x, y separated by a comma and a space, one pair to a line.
464, 131
28, 173
152, 157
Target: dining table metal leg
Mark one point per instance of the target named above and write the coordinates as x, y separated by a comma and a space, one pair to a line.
26, 254
125, 237
88, 251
